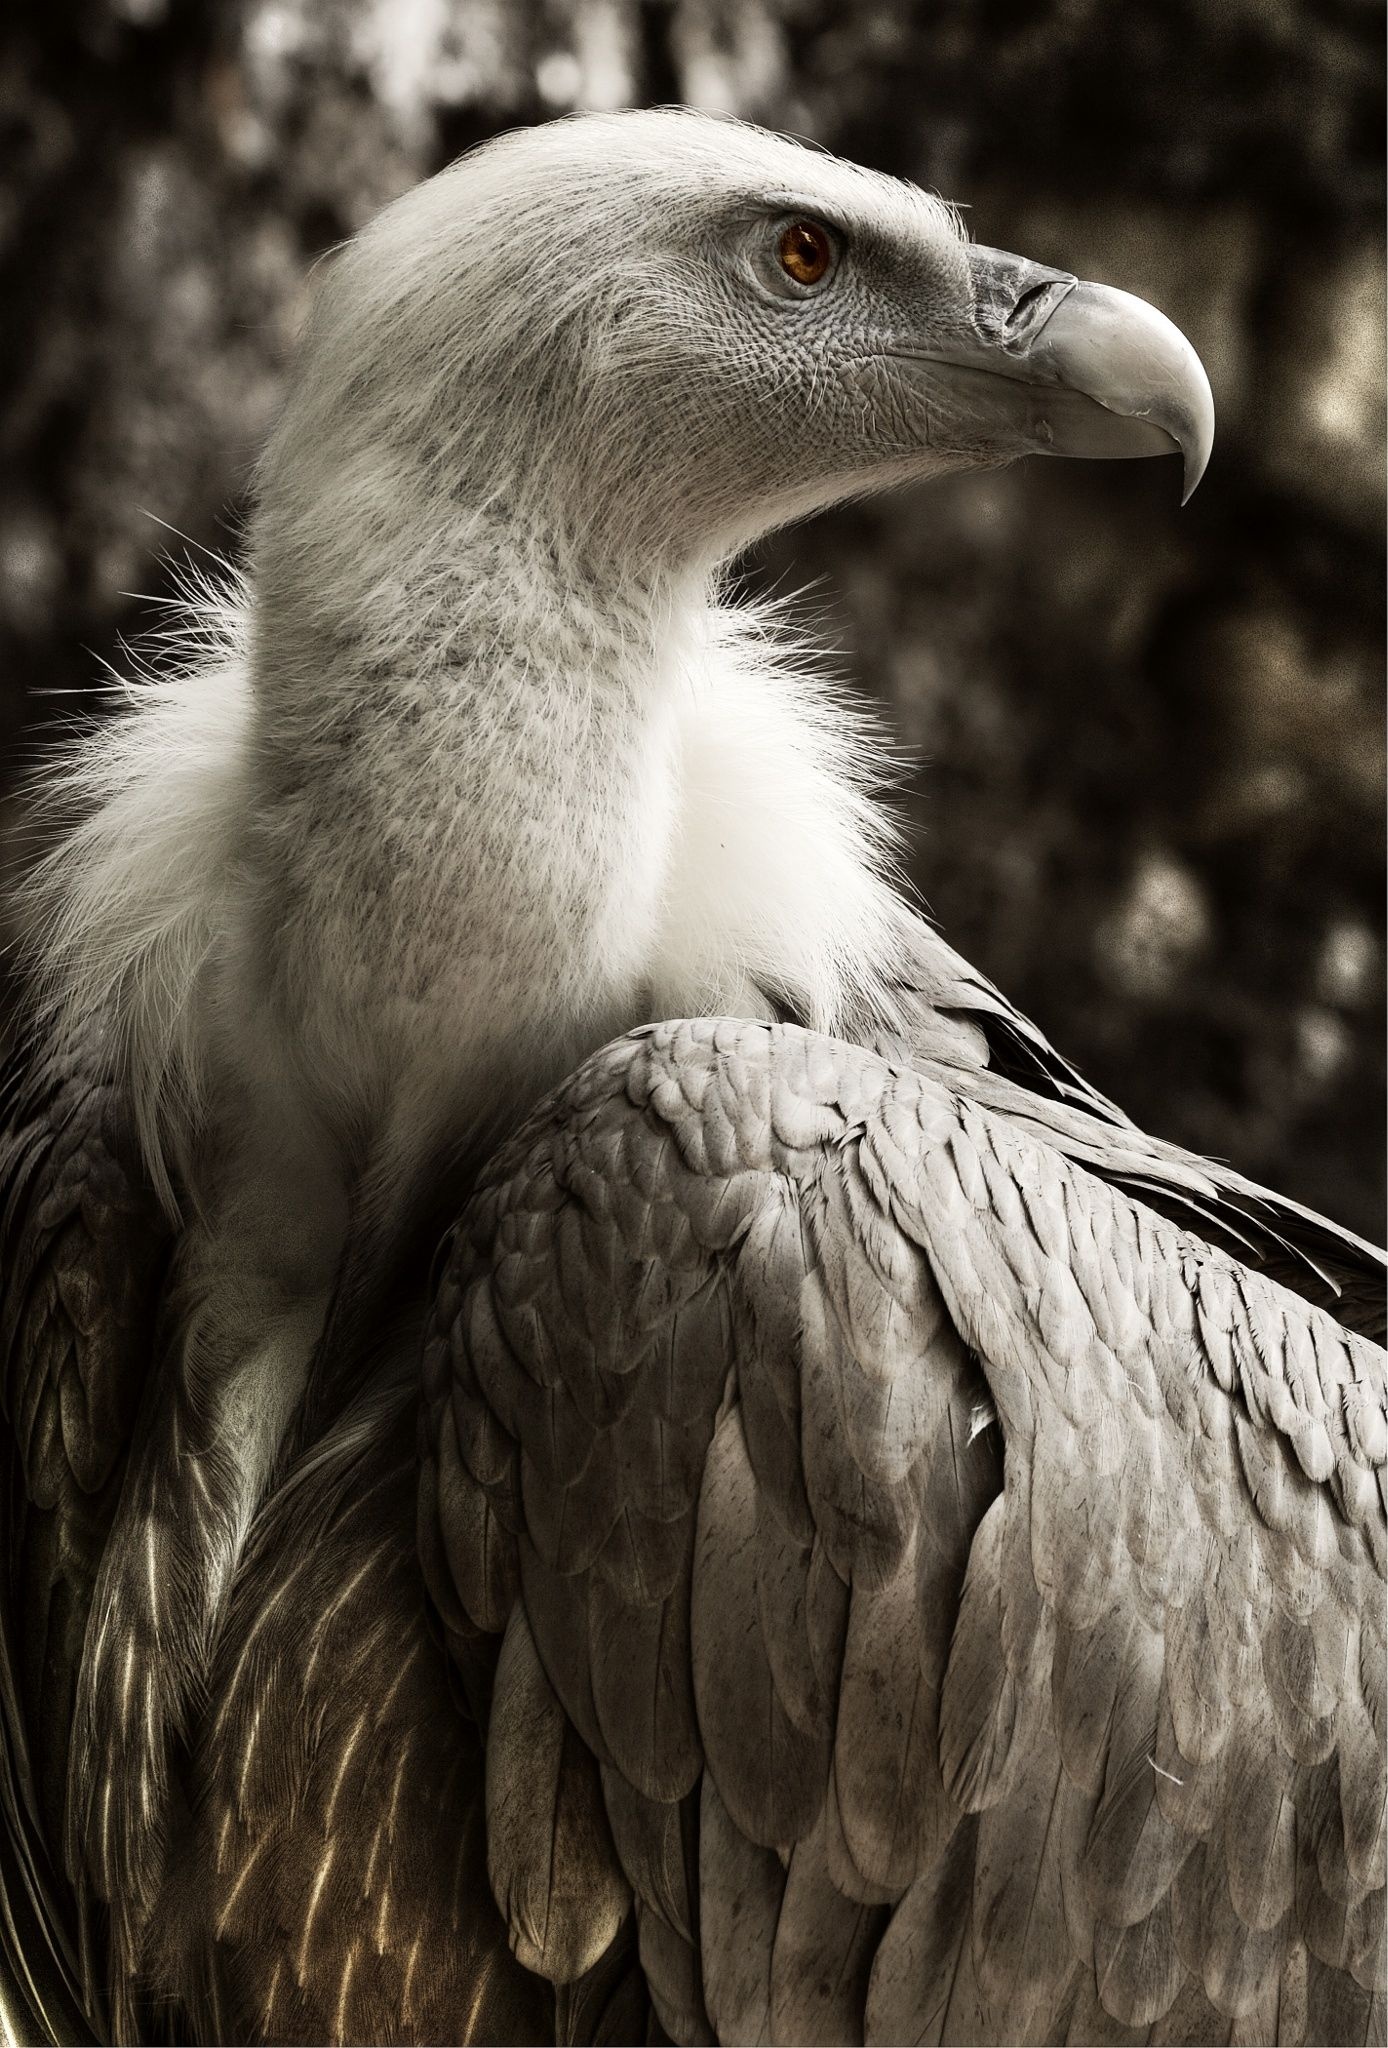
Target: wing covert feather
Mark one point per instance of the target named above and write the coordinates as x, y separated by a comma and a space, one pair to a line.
83, 1250
335, 1886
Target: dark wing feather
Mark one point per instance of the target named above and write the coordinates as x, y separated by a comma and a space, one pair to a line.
83, 1248
1032, 1555
957, 1019
331, 1882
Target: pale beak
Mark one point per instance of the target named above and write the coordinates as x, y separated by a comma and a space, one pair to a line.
1046, 364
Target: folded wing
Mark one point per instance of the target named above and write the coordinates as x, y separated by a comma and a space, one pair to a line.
943, 1598
83, 1248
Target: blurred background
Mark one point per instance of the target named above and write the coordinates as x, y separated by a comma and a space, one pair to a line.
1146, 745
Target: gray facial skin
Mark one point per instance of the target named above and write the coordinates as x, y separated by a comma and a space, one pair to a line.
970, 355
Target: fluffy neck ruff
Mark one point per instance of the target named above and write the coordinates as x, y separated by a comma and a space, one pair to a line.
401, 869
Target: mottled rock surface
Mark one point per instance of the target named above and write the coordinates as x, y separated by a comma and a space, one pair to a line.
1146, 747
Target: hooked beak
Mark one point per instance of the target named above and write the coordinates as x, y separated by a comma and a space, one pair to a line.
1046, 364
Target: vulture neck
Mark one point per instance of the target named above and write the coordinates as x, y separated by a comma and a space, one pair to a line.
517, 796
442, 591
467, 755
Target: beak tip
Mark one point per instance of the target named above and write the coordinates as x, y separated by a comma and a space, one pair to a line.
1197, 439
1136, 364
1195, 461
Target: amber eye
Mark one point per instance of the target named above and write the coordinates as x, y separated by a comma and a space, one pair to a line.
805, 252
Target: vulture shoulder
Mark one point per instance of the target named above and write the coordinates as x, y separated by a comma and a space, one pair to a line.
83, 1250
958, 1021
943, 1594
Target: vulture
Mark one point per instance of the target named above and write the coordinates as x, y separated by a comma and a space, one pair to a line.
603, 1443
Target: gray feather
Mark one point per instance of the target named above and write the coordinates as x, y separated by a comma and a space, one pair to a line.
922, 1987
553, 1868
982, 1745
1022, 1955
643, 1692
740, 1893
770, 1775
823, 1954
891, 1799
1137, 1969
652, 1843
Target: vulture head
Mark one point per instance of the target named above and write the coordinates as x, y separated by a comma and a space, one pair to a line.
647, 338
445, 821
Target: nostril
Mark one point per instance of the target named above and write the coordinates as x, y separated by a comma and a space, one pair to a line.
1033, 308
1013, 299
1025, 300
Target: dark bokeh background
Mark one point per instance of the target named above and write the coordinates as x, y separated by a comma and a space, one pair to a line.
1150, 744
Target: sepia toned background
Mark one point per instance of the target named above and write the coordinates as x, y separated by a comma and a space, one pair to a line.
1145, 745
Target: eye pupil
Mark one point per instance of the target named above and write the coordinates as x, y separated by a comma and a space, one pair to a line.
805, 251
